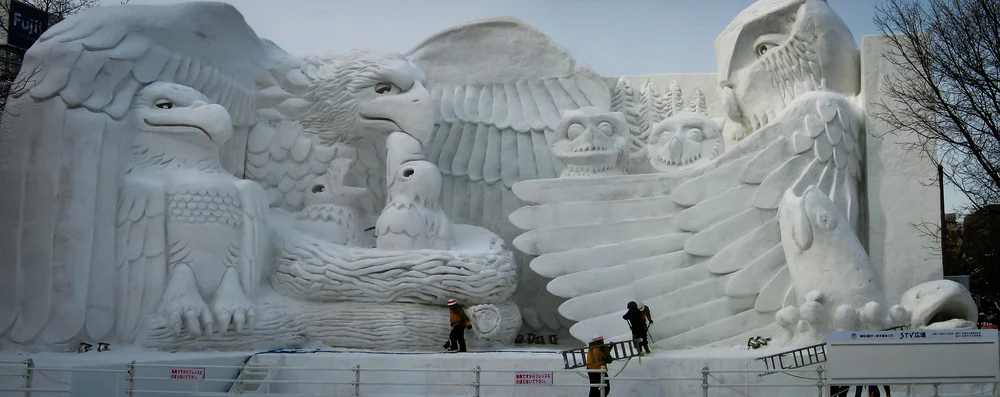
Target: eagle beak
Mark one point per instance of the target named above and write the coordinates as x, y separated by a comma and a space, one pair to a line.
411, 111
211, 121
214, 120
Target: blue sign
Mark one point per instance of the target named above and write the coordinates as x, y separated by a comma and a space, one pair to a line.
25, 25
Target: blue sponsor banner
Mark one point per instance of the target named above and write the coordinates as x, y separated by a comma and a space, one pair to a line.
25, 25
880, 337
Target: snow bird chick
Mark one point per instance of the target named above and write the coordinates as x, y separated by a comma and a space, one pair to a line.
413, 218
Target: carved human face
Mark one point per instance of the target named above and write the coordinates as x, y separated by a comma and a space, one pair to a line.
684, 140
183, 113
591, 141
776, 50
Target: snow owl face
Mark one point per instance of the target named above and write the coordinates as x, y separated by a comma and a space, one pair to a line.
419, 180
591, 141
182, 113
683, 140
776, 50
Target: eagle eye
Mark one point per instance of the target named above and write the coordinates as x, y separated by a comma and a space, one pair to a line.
164, 105
408, 172
318, 188
383, 88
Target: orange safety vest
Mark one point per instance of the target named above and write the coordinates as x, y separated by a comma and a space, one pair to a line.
456, 319
596, 358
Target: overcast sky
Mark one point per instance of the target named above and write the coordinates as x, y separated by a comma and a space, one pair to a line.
623, 37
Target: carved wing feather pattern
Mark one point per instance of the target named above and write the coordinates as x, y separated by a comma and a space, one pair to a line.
142, 264
255, 240
704, 247
82, 75
495, 120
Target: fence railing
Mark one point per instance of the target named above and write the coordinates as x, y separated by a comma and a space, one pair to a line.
27, 370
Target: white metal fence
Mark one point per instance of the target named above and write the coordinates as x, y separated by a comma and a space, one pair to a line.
127, 377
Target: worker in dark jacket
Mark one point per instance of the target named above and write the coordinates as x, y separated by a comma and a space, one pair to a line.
459, 323
598, 358
637, 318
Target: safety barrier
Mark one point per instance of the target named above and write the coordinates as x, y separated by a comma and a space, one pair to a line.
126, 375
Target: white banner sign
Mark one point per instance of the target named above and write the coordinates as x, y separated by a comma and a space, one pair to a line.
533, 378
888, 337
187, 373
905, 357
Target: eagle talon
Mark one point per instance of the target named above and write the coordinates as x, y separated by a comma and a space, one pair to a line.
183, 304
231, 306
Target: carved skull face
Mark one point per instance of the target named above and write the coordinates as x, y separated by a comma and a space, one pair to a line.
591, 141
685, 140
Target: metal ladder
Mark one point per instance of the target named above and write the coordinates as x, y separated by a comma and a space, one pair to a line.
792, 359
254, 377
576, 358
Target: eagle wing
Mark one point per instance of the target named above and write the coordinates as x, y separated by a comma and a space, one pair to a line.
496, 112
701, 247
67, 143
141, 272
254, 245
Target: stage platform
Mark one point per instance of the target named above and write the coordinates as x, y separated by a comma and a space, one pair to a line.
397, 374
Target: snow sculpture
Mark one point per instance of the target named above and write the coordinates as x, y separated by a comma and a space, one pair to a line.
683, 140
60, 198
297, 123
829, 267
940, 304
591, 141
187, 229
705, 242
333, 210
500, 87
413, 218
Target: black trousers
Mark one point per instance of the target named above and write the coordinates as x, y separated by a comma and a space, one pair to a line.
457, 337
872, 390
644, 343
595, 383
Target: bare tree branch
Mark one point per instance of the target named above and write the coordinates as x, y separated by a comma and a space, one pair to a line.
945, 97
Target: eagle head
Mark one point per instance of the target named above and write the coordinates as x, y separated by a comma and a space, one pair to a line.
181, 113
416, 181
777, 50
360, 93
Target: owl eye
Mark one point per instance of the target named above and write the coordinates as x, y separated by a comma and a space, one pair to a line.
763, 48
696, 135
164, 105
574, 131
605, 127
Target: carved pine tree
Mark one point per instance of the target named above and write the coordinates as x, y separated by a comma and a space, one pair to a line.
697, 103
648, 114
675, 98
624, 102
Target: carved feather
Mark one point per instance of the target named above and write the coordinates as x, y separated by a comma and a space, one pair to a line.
729, 271
66, 148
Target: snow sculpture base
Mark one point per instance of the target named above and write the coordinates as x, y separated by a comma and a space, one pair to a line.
354, 297
284, 323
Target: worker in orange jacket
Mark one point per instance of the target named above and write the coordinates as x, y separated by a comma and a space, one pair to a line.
598, 358
459, 323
